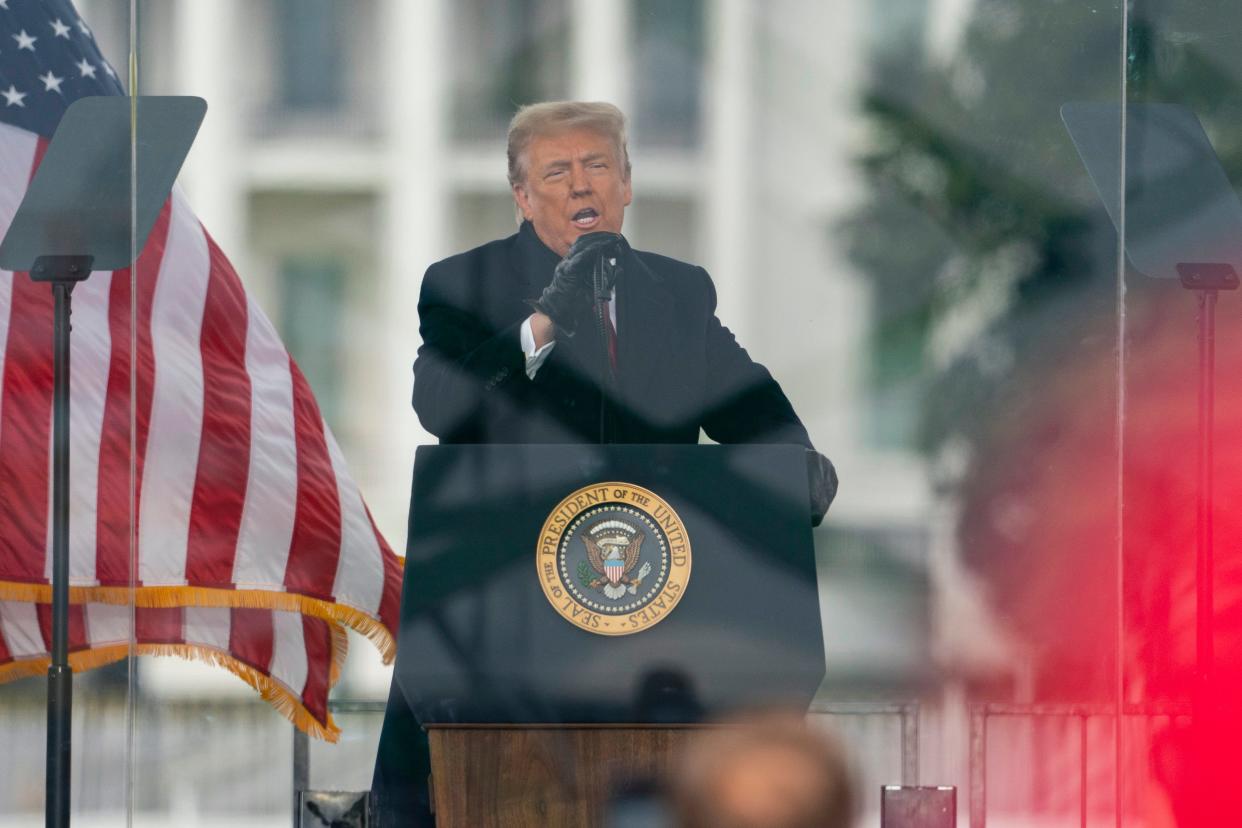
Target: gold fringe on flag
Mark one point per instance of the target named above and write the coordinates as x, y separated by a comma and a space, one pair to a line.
280, 697
191, 596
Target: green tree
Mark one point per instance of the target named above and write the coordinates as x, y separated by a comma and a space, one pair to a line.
993, 263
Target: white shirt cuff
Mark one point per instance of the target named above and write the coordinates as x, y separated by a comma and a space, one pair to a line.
534, 356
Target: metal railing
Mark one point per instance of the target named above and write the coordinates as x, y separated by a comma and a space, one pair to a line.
908, 712
980, 713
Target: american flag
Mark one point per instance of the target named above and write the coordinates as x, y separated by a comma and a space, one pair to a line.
253, 543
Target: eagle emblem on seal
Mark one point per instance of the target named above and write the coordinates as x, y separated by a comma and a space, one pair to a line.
613, 550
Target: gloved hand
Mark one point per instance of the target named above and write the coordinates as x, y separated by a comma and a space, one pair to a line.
571, 291
823, 484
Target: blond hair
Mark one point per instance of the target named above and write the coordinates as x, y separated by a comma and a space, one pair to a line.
536, 120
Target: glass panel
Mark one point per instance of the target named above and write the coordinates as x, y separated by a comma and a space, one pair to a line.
985, 370
52, 58
257, 557
897, 224
1182, 223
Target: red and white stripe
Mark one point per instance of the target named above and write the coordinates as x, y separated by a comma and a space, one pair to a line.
89, 350
176, 418
240, 486
290, 649
271, 494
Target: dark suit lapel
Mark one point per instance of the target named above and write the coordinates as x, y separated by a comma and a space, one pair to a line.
646, 314
532, 261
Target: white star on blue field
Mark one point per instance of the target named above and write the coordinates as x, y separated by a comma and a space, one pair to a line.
48, 59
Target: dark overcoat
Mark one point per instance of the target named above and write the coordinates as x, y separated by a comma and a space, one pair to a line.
678, 369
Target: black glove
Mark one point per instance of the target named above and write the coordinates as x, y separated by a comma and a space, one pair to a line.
823, 484
571, 291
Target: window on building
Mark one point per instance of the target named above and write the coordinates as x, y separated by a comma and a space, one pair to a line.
311, 53
505, 54
312, 301
667, 72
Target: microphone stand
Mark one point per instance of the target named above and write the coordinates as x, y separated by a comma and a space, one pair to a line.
604, 280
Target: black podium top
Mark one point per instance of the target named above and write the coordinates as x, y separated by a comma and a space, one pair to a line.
500, 621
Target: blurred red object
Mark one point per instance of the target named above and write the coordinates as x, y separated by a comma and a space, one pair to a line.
1048, 507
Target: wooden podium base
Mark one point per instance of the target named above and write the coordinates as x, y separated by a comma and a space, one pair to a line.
542, 775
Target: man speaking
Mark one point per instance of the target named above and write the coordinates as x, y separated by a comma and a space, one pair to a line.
562, 333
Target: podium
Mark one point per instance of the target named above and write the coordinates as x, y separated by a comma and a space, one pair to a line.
572, 613
531, 776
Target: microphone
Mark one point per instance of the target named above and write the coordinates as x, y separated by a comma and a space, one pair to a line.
608, 248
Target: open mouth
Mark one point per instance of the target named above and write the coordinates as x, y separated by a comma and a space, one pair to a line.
586, 217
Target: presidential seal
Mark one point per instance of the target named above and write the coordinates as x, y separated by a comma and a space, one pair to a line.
613, 558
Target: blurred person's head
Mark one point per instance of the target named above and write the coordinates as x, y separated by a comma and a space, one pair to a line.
776, 771
569, 169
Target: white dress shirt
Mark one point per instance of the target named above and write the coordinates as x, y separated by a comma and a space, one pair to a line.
535, 357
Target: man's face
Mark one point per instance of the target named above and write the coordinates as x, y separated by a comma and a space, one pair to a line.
574, 184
